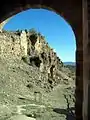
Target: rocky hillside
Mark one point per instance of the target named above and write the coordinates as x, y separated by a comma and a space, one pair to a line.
32, 73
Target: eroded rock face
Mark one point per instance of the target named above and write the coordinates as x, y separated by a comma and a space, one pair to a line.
41, 55
33, 49
23, 43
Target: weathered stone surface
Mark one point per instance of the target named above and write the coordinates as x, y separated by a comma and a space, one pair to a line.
33, 49
21, 117
23, 41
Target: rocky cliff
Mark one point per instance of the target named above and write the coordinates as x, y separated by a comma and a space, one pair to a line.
31, 72
32, 48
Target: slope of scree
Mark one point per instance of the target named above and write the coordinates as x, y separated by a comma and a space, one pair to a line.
30, 71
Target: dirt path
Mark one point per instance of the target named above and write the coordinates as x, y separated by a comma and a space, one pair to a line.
20, 109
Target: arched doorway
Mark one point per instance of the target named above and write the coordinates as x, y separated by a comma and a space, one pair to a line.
67, 12
51, 28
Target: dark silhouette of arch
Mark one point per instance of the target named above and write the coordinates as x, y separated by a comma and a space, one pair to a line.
71, 11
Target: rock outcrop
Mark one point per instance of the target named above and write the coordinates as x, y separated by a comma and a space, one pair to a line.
32, 48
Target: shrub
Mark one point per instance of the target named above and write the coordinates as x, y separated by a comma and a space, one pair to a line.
24, 58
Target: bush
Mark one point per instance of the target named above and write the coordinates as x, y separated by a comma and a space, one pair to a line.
24, 59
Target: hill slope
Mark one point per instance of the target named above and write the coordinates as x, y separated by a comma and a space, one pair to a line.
70, 63
33, 80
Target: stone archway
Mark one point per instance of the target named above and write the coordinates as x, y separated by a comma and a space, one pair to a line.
72, 12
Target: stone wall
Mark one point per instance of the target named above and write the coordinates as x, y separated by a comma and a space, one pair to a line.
23, 43
9, 45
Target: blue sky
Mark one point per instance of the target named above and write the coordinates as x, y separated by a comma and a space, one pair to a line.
57, 31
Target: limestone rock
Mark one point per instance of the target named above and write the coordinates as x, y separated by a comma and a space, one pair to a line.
32, 48
21, 117
23, 39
